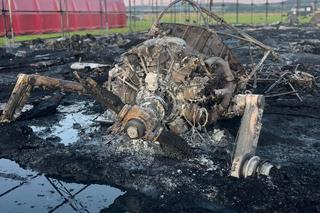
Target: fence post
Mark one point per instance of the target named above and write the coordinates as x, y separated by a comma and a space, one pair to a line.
267, 11
130, 27
237, 12
282, 9
11, 23
189, 13
134, 16
64, 18
175, 13
151, 3
67, 17
101, 16
61, 18
198, 18
298, 7
106, 15
222, 8
4, 19
157, 8
251, 12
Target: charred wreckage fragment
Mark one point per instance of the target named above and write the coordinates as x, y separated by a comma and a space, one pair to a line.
183, 77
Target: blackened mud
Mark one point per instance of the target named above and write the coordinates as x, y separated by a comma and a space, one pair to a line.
61, 140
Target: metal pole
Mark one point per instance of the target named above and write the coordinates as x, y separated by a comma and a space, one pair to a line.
267, 10
175, 13
134, 15
152, 11
223, 5
208, 19
185, 12
67, 17
171, 15
198, 13
157, 8
298, 8
4, 19
101, 16
251, 12
282, 9
237, 12
62, 20
130, 27
106, 14
200, 17
11, 21
189, 13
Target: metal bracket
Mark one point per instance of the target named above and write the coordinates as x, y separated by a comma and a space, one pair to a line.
245, 163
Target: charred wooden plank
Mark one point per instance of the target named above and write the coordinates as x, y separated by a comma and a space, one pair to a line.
24, 86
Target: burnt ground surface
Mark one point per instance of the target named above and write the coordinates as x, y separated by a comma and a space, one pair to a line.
59, 139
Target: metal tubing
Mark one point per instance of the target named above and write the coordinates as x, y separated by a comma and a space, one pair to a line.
11, 20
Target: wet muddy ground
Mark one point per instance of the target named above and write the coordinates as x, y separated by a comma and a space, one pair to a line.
58, 157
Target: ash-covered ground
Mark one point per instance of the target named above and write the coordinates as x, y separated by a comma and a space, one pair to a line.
61, 140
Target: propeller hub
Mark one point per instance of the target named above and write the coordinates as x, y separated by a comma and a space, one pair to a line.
135, 129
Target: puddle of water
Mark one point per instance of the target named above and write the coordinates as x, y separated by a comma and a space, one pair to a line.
37, 193
74, 119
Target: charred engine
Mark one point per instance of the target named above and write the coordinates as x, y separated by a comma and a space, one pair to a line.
174, 86
168, 85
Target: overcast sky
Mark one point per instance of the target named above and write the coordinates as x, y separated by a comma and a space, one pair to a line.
139, 2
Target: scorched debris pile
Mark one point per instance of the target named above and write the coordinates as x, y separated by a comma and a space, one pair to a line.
183, 78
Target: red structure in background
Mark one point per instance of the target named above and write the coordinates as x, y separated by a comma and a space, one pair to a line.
47, 16
2, 20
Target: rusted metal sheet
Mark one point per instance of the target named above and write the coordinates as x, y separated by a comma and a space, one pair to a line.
203, 40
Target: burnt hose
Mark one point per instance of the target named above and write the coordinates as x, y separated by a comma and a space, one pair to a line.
221, 66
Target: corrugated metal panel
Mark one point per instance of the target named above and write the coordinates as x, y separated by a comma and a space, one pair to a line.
44, 16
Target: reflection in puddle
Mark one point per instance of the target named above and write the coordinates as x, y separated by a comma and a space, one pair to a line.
74, 120
27, 191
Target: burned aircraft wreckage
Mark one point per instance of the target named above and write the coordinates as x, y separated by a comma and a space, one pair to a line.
183, 78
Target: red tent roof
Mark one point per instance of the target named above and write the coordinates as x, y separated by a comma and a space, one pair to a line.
43, 16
